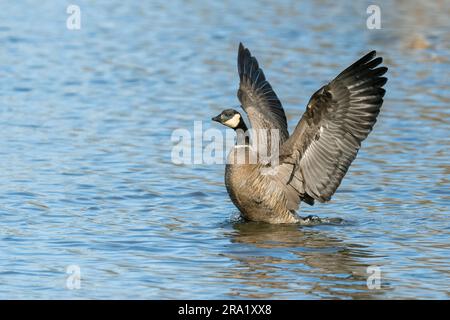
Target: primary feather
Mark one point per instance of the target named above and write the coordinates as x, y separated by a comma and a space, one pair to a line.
257, 97
338, 117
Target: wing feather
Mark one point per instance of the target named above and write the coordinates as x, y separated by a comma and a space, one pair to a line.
338, 117
257, 97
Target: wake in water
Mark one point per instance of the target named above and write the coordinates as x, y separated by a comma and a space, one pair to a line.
307, 221
315, 220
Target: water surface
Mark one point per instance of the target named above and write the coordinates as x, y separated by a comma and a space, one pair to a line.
85, 154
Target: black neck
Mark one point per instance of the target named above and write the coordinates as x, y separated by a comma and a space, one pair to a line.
242, 134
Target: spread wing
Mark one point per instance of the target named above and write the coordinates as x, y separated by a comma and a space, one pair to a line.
257, 97
338, 117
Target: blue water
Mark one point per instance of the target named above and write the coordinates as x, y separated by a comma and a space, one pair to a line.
86, 177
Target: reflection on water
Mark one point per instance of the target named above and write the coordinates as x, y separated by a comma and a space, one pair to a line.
86, 176
298, 262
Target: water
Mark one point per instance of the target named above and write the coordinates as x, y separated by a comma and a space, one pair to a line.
85, 153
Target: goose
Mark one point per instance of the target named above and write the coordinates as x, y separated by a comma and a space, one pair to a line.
313, 160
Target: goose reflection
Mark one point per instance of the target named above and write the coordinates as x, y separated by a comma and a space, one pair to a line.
286, 261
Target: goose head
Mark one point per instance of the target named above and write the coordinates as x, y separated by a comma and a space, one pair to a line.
232, 119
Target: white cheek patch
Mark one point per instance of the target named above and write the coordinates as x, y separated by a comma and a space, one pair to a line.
233, 122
